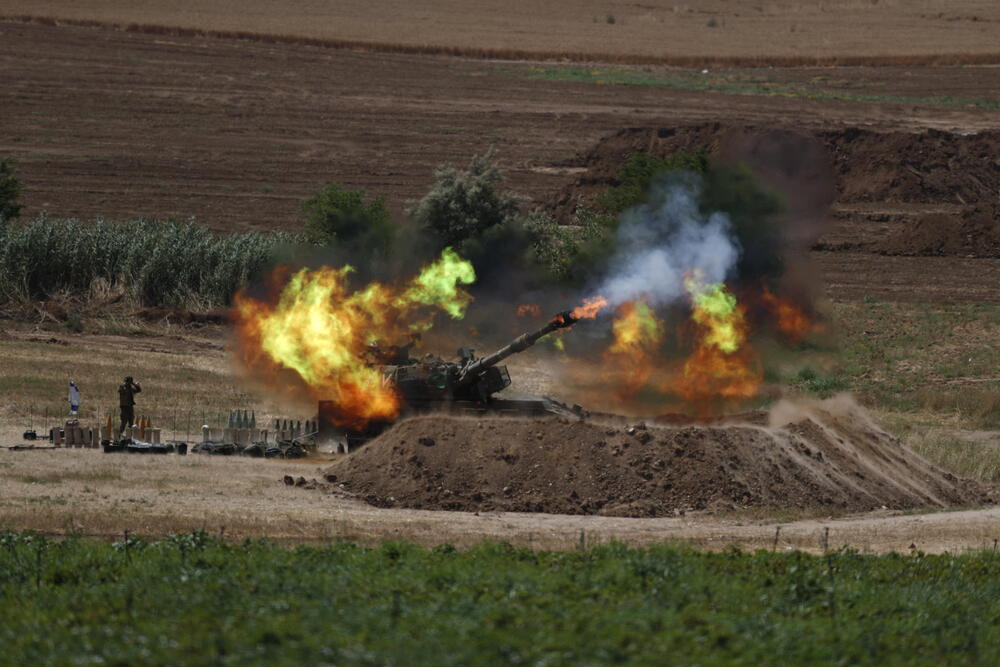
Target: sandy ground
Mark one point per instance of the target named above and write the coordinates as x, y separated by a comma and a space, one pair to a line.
91, 493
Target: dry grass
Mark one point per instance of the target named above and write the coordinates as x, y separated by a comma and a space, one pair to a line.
978, 405
967, 453
712, 33
187, 377
963, 453
86, 491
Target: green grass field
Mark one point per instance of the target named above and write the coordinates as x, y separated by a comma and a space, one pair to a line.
190, 599
737, 83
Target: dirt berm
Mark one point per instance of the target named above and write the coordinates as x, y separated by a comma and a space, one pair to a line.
814, 169
865, 166
827, 454
975, 232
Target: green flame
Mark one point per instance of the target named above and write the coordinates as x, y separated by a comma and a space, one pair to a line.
438, 284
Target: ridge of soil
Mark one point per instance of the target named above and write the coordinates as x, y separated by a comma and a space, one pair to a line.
975, 232
819, 168
829, 454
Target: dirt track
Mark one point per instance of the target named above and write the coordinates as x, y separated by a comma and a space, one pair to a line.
87, 492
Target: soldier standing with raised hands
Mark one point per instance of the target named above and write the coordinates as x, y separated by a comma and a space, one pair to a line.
126, 400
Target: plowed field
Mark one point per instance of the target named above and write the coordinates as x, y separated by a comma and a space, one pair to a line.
235, 133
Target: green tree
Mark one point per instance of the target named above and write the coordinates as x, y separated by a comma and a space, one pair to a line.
553, 246
348, 220
10, 192
464, 204
635, 177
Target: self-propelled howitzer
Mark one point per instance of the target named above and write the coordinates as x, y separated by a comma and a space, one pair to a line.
466, 386
476, 368
432, 383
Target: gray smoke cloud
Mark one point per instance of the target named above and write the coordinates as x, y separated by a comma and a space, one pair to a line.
657, 244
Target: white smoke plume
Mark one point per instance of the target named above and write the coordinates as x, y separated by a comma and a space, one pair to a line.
658, 243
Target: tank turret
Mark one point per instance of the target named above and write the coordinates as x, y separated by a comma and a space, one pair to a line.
421, 383
466, 386
475, 368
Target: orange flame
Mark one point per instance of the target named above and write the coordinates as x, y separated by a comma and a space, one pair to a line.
315, 334
590, 308
790, 320
722, 365
629, 359
710, 374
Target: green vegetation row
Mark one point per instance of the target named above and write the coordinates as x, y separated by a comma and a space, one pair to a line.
738, 84
190, 599
157, 263
177, 264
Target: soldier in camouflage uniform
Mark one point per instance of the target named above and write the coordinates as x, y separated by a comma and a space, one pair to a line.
126, 400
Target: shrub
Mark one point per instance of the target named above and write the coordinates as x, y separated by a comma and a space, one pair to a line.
532, 247
592, 246
10, 192
462, 205
553, 246
636, 176
348, 220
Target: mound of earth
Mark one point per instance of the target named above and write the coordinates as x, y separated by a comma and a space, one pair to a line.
822, 455
973, 233
816, 168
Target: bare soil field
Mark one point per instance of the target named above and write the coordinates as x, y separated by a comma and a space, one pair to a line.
235, 134
120, 124
652, 29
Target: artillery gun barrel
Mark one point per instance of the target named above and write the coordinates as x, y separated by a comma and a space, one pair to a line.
519, 344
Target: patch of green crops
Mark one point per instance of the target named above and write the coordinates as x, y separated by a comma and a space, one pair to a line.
157, 263
189, 599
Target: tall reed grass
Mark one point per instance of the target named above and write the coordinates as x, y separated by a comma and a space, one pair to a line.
156, 263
